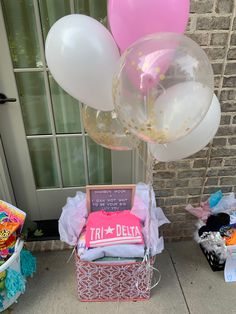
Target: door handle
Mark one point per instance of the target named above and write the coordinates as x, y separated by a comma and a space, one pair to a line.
4, 99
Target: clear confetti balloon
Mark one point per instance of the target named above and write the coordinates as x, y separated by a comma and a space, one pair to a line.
163, 87
105, 129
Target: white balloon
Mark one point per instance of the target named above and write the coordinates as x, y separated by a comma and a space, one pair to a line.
82, 55
178, 108
192, 142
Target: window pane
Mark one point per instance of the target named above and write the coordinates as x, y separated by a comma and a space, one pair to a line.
95, 8
51, 11
99, 163
72, 161
43, 162
66, 110
22, 34
82, 7
98, 9
33, 102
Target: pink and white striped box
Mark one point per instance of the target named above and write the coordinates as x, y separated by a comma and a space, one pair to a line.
98, 282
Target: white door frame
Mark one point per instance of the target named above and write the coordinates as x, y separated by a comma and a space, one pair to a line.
14, 142
6, 191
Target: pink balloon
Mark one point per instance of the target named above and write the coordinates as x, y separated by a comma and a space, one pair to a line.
132, 19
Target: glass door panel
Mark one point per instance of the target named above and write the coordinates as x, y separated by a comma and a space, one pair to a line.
99, 163
72, 161
93, 8
22, 33
43, 162
33, 100
51, 11
66, 110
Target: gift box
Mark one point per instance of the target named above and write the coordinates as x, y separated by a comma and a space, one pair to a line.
113, 282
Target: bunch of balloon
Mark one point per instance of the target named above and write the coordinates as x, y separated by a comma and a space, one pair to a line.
160, 90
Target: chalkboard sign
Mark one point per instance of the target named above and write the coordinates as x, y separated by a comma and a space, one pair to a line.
110, 198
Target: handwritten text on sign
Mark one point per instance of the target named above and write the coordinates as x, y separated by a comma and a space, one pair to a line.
110, 200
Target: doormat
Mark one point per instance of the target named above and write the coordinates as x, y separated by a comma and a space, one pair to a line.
45, 230
49, 245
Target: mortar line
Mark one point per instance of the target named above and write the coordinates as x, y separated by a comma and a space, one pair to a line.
182, 290
209, 151
227, 50
208, 162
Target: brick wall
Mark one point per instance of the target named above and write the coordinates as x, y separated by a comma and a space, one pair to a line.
212, 25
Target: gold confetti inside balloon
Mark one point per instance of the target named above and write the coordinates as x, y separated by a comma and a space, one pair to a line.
105, 129
163, 87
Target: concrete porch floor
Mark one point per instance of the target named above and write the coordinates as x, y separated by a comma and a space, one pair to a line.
187, 286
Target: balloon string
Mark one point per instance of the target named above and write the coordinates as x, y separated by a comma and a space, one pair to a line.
150, 270
157, 280
72, 253
208, 161
149, 182
148, 164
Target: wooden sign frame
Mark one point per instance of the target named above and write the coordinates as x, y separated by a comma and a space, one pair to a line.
91, 188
